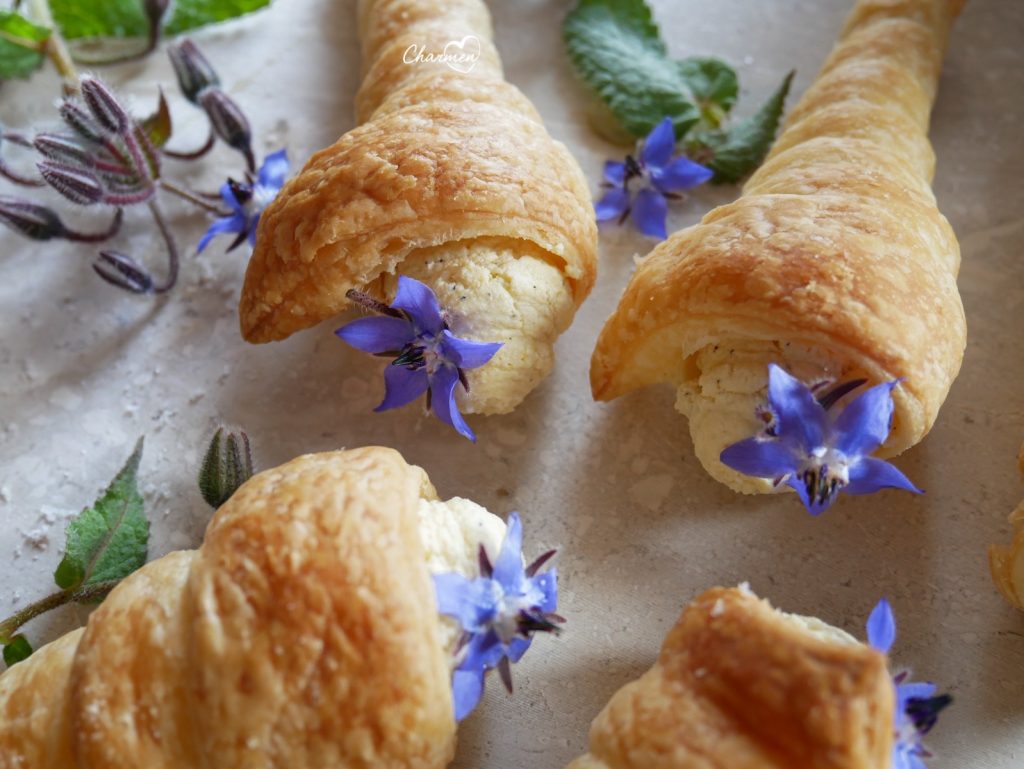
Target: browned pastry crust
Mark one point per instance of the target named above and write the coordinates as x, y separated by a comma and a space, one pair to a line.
303, 633
441, 157
740, 686
834, 262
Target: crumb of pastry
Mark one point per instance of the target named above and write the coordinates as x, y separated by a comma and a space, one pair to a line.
812, 625
497, 290
722, 386
819, 629
452, 532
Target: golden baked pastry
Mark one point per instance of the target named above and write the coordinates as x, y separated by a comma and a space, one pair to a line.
835, 263
450, 179
739, 685
303, 633
1007, 562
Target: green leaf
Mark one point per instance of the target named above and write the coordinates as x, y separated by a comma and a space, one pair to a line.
126, 18
738, 150
158, 125
616, 48
21, 46
714, 84
189, 14
107, 541
99, 18
18, 650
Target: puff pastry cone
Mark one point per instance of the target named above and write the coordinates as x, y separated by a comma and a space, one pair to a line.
834, 263
1007, 562
303, 633
450, 179
740, 685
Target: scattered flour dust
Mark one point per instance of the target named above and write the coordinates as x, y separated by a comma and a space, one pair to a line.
36, 540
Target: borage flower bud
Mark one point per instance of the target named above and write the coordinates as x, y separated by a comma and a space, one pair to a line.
229, 122
226, 466
81, 122
195, 73
64, 149
124, 272
76, 184
30, 219
104, 105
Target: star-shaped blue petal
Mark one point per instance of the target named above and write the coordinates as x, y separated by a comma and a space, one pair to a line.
815, 452
428, 357
499, 611
247, 201
917, 707
658, 175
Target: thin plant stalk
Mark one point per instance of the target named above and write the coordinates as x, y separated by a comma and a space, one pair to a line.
173, 261
56, 47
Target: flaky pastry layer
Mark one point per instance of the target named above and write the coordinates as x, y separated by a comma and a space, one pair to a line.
303, 633
739, 685
835, 260
443, 158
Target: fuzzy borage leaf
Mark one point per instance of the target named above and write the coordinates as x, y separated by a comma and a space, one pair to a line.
109, 540
21, 45
616, 48
79, 19
738, 150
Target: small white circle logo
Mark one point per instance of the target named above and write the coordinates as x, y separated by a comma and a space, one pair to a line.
461, 55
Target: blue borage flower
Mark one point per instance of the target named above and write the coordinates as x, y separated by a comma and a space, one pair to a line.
247, 201
499, 612
917, 705
816, 452
661, 177
428, 358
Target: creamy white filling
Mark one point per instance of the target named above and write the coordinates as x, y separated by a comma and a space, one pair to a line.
722, 388
496, 290
452, 532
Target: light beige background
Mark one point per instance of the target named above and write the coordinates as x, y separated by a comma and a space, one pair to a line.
85, 369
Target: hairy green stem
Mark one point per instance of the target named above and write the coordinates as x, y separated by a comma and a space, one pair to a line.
56, 48
39, 46
192, 197
9, 627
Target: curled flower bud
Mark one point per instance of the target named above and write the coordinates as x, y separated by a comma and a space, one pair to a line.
226, 466
195, 73
229, 122
104, 105
30, 219
76, 184
64, 149
124, 272
81, 122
